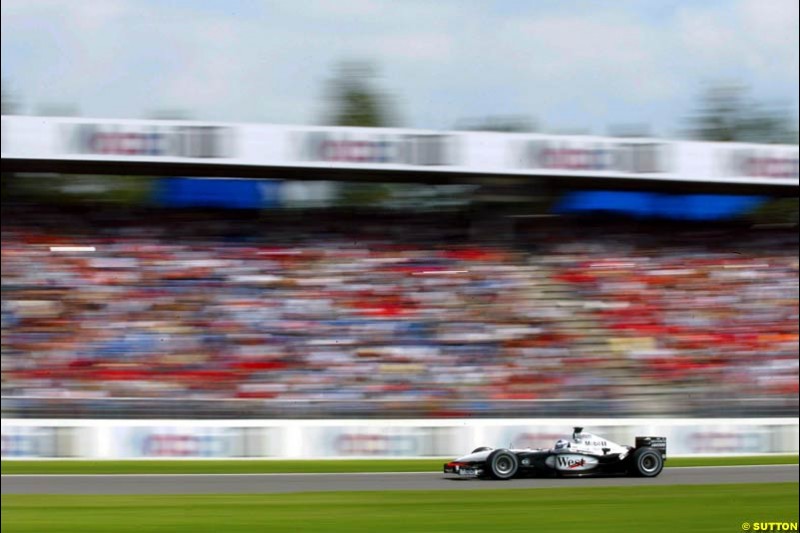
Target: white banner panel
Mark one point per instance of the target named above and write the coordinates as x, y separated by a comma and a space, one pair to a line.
225, 144
171, 441
209, 439
28, 442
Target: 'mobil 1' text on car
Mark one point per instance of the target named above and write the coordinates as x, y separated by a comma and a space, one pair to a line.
582, 455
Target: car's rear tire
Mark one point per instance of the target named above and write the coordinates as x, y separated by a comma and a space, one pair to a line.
502, 464
647, 462
481, 449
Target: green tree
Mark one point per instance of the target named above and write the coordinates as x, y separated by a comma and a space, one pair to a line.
58, 109
726, 113
630, 130
10, 104
355, 99
169, 113
499, 123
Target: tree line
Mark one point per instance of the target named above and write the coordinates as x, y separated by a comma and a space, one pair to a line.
723, 112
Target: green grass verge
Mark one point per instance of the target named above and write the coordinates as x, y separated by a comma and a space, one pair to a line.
305, 466
706, 508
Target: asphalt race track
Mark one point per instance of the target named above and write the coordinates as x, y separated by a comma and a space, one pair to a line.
275, 483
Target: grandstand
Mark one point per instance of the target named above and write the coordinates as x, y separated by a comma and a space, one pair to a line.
593, 279
401, 315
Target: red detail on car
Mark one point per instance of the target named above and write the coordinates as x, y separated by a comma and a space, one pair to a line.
578, 464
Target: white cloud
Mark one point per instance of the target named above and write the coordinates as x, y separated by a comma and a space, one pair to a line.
755, 40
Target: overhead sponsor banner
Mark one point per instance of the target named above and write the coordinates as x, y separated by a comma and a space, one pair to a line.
377, 148
763, 162
153, 140
501, 154
594, 156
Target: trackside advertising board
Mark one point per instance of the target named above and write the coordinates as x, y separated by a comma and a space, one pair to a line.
258, 145
294, 439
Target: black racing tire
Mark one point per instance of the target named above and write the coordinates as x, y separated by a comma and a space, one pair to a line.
481, 449
647, 462
502, 464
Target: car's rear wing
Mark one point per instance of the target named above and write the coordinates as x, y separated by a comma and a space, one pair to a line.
657, 443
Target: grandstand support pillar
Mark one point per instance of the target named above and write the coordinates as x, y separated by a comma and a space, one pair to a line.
498, 205
491, 224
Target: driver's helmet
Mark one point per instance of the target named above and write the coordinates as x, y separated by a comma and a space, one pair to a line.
561, 444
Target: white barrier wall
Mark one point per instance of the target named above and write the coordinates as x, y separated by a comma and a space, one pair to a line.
129, 439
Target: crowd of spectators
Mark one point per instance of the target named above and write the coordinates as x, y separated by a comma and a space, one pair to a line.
319, 309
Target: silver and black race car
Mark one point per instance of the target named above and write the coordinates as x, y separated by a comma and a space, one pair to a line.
584, 454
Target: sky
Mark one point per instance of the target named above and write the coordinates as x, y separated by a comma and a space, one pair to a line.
570, 65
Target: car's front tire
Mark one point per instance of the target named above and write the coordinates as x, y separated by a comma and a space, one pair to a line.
647, 462
502, 464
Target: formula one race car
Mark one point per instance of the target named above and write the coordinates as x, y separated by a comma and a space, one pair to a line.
582, 455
